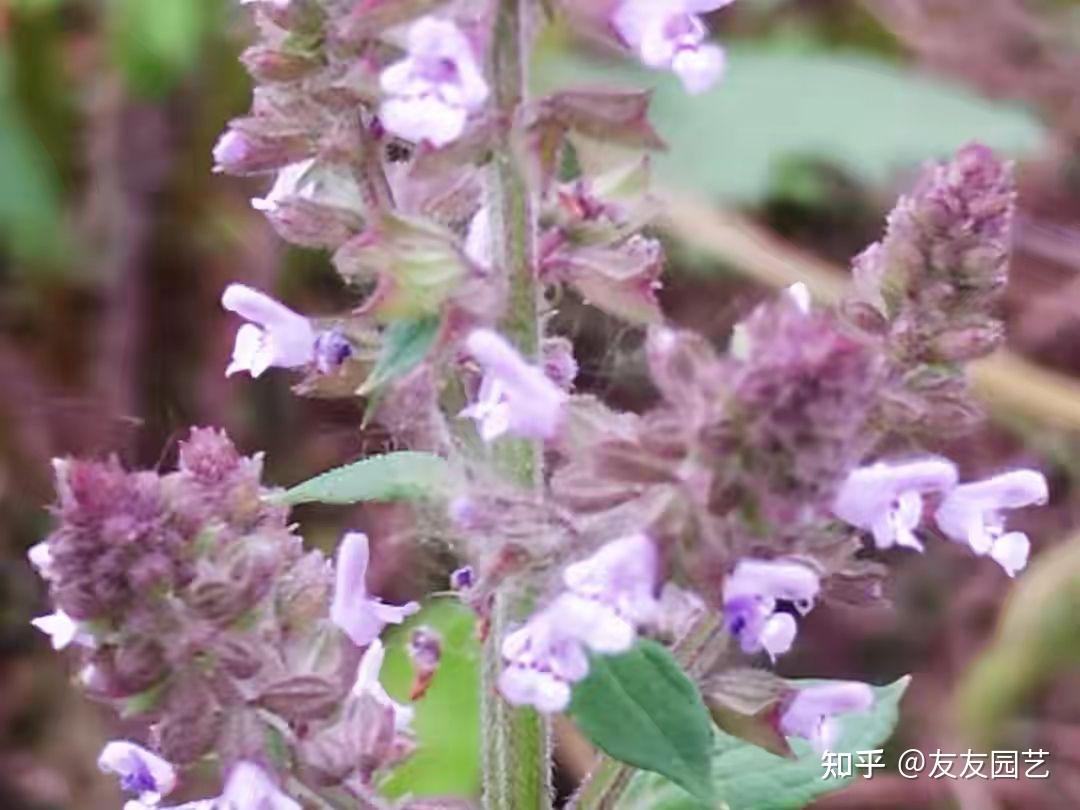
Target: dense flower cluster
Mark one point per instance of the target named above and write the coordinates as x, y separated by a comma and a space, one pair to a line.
732, 504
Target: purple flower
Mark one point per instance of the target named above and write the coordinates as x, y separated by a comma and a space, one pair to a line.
541, 661
368, 683
811, 712
361, 616
142, 773
758, 598
250, 788
274, 337
62, 630
887, 499
974, 514
430, 93
668, 34
514, 397
610, 594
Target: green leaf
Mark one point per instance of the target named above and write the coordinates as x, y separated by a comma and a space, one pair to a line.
31, 221
157, 43
866, 115
746, 777
642, 709
405, 476
447, 721
405, 345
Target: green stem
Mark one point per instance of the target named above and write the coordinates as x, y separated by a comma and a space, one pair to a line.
517, 741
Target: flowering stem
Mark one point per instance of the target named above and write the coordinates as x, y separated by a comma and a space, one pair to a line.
696, 652
517, 748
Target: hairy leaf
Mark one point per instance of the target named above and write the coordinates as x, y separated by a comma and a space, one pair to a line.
404, 476
746, 777
642, 709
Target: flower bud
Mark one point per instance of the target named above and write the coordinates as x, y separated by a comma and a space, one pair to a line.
425, 650
266, 64
301, 698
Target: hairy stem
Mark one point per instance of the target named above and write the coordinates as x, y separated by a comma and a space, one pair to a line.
517, 747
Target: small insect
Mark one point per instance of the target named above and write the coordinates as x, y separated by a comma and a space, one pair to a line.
398, 151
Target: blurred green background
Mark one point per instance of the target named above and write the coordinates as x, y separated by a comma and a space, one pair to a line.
116, 241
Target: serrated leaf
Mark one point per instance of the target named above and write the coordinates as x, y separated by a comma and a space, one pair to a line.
404, 476
747, 778
642, 709
405, 345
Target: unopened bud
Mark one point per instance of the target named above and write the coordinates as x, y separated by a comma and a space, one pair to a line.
273, 65
304, 697
425, 651
241, 151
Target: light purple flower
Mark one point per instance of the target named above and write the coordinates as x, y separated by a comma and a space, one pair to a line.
432, 91
250, 788
515, 397
62, 630
142, 773
368, 683
668, 34
610, 594
757, 599
361, 616
541, 662
811, 712
887, 499
974, 514
274, 337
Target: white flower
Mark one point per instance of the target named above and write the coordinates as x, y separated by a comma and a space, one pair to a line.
753, 597
811, 712
432, 91
668, 34
974, 514
275, 337
478, 240
541, 661
368, 683
515, 397
40, 556
361, 616
62, 630
249, 788
141, 772
799, 293
610, 594
291, 181
887, 499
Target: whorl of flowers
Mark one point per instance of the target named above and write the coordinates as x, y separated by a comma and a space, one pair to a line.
389, 136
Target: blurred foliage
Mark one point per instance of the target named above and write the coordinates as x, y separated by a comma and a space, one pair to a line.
447, 719
31, 221
155, 44
1037, 640
865, 115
